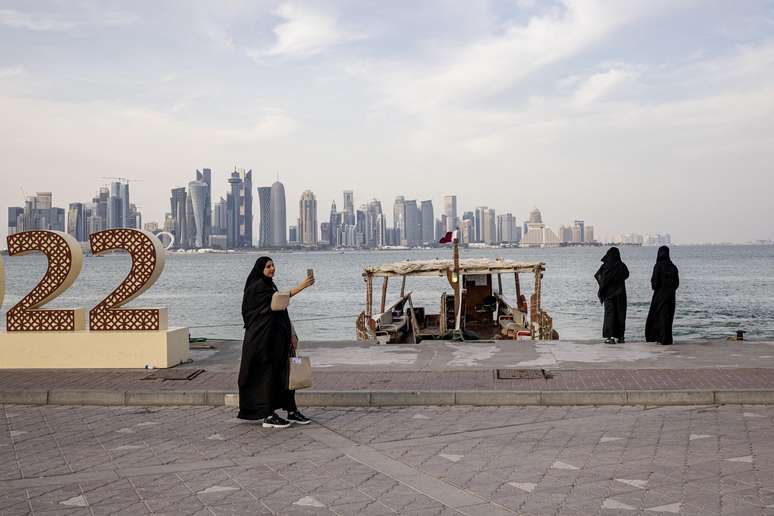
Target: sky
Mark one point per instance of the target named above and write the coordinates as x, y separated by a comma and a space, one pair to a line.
645, 116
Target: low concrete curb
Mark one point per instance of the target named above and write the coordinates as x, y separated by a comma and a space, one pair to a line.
397, 398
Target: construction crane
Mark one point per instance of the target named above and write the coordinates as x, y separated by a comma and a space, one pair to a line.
122, 179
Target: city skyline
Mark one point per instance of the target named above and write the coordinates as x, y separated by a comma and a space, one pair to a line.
194, 224
639, 115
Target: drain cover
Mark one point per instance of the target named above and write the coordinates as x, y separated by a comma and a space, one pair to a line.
173, 374
523, 374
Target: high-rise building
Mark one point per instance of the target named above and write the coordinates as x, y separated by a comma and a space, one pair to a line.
178, 203
292, 235
220, 217
535, 217
428, 223
506, 226
373, 224
246, 209
76, 222
235, 212
382, 238
264, 208
489, 226
333, 226
465, 233
478, 215
399, 219
450, 210
565, 234
589, 234
278, 235
205, 175
33, 217
349, 207
307, 219
325, 233
14, 219
197, 193
578, 233
413, 229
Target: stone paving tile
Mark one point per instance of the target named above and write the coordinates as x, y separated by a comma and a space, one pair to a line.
535, 460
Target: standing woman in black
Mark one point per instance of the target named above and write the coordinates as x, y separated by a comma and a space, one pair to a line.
611, 277
268, 345
665, 281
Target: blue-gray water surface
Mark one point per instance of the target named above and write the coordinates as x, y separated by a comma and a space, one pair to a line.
722, 288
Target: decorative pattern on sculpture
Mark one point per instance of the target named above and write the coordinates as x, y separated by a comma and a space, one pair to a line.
147, 263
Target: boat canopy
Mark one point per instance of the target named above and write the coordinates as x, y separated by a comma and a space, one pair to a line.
440, 267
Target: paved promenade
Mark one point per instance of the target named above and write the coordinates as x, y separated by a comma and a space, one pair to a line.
406, 460
443, 373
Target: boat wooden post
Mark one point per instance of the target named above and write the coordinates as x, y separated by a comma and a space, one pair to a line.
500, 283
403, 287
384, 295
518, 290
369, 295
457, 287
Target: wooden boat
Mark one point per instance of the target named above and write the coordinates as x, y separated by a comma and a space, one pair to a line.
473, 310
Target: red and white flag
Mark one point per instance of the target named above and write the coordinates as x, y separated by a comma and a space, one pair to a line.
448, 237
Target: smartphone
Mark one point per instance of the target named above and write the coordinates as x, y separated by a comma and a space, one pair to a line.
310, 273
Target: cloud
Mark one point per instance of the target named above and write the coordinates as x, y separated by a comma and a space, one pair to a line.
11, 72
304, 32
600, 85
495, 63
52, 22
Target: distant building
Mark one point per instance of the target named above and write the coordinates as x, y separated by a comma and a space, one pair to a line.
278, 235
235, 213
219, 218
589, 236
76, 222
153, 227
399, 219
178, 203
38, 213
205, 176
246, 209
197, 191
325, 234
428, 223
349, 207
478, 216
307, 219
578, 232
293, 235
489, 226
450, 210
374, 221
412, 224
466, 232
264, 210
506, 228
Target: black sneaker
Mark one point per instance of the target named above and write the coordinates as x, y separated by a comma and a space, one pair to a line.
274, 421
621, 340
298, 418
609, 340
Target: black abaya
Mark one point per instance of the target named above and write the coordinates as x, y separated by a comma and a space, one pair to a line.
665, 281
263, 372
611, 277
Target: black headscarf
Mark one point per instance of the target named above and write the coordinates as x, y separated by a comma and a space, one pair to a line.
611, 275
256, 282
663, 254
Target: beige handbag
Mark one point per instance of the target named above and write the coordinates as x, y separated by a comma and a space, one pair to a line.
300, 373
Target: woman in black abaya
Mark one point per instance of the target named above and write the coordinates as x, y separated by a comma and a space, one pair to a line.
611, 277
268, 345
664, 281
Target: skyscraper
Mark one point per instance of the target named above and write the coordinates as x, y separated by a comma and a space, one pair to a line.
373, 229
14, 215
197, 192
428, 223
413, 228
349, 207
399, 219
220, 217
578, 231
488, 226
178, 203
264, 207
477, 216
246, 209
278, 235
333, 226
206, 176
234, 211
307, 219
76, 222
450, 210
506, 226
